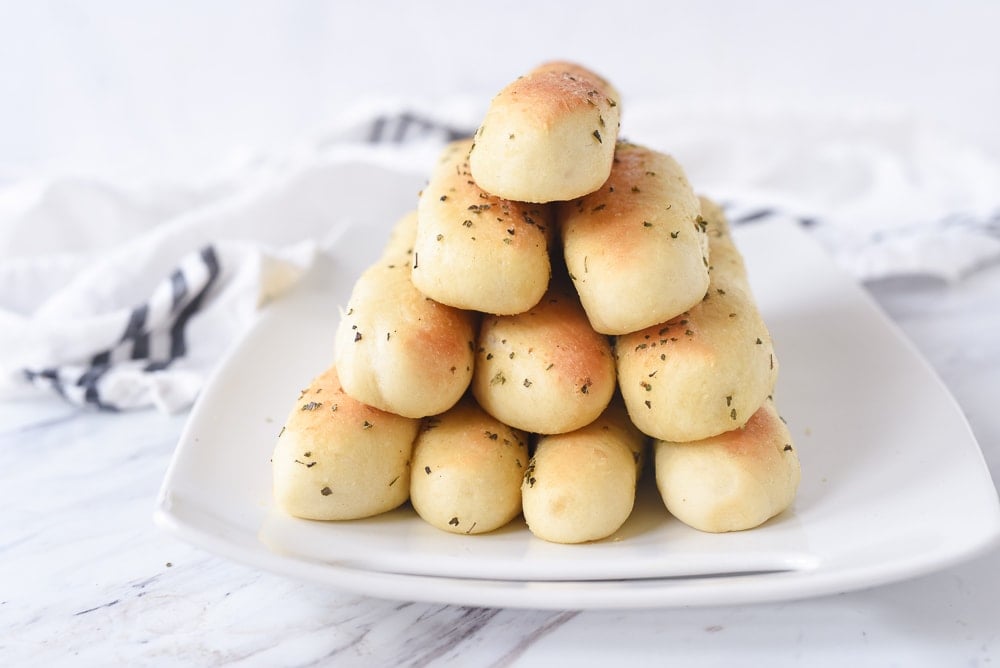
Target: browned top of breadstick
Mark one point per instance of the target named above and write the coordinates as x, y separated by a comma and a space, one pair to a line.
558, 86
548, 135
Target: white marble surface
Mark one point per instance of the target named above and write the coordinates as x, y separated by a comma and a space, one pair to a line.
86, 578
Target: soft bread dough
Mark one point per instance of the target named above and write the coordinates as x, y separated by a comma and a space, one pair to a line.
467, 469
580, 486
707, 370
548, 135
398, 350
636, 249
544, 371
733, 481
475, 251
338, 459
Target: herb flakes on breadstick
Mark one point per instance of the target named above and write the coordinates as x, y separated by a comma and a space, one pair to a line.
544, 371
636, 249
339, 459
398, 350
475, 251
467, 470
707, 370
548, 136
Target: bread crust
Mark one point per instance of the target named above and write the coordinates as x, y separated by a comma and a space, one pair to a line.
339, 459
467, 470
548, 135
475, 251
545, 371
395, 348
709, 369
580, 486
730, 482
636, 249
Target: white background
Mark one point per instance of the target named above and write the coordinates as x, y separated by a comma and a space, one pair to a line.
170, 89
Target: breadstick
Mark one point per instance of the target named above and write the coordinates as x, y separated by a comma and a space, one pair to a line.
733, 481
467, 470
707, 370
636, 249
398, 350
475, 251
338, 459
580, 486
548, 135
545, 371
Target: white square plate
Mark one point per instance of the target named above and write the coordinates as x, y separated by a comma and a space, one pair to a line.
894, 484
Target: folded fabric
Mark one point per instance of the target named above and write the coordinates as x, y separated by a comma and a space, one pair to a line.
121, 297
157, 351
117, 298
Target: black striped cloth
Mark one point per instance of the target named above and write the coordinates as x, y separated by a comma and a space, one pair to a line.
153, 336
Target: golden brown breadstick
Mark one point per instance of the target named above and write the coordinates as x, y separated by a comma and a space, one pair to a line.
338, 459
398, 350
580, 486
545, 371
475, 251
548, 135
636, 249
707, 370
467, 470
733, 481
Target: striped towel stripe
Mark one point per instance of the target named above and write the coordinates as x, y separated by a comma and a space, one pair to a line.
738, 213
184, 292
407, 126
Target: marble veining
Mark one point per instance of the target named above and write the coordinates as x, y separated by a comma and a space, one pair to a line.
86, 579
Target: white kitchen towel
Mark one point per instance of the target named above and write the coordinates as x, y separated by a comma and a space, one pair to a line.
117, 296
120, 297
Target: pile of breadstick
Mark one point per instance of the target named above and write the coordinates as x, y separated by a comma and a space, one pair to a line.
560, 308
